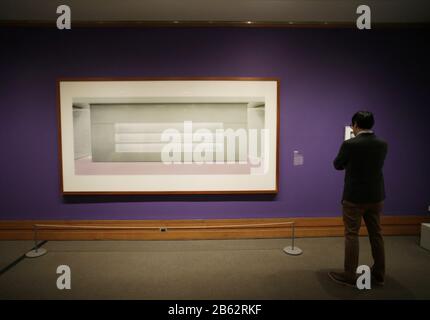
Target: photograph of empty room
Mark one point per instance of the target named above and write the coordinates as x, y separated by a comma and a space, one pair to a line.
167, 138
168, 135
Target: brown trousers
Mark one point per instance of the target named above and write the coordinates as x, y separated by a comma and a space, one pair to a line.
352, 214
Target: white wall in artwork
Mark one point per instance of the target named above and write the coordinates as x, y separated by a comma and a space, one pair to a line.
81, 132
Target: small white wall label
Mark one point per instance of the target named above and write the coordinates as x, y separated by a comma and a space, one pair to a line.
298, 158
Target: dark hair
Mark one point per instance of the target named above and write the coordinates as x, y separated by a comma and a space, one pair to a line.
363, 119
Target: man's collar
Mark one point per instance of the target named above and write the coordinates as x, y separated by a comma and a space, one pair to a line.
364, 131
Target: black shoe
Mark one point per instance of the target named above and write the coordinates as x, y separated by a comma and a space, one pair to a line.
377, 282
341, 278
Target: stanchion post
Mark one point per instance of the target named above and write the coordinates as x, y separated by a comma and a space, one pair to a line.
36, 251
293, 250
293, 235
35, 236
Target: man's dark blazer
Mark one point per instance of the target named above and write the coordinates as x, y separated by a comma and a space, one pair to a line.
362, 158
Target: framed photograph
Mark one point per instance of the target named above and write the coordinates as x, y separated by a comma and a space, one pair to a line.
169, 135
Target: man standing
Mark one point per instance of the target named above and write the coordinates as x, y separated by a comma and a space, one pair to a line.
362, 157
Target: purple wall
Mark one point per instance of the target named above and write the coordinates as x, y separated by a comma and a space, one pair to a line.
326, 75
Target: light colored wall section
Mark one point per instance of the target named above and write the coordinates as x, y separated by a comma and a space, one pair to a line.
256, 121
256, 118
81, 133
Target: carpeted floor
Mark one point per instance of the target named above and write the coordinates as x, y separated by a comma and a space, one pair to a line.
211, 269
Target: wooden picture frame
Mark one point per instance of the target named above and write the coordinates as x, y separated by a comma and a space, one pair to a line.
168, 135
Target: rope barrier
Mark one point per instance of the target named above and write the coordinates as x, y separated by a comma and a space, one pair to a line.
36, 252
46, 226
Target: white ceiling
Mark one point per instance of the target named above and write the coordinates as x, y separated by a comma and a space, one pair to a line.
301, 11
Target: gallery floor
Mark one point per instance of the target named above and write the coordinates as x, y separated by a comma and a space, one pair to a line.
211, 269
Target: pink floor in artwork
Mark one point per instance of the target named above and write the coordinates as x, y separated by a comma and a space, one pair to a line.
85, 166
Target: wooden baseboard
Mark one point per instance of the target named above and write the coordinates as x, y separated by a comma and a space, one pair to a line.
196, 229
